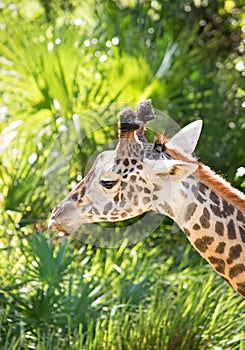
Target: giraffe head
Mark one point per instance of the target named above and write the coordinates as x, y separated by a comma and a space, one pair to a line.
130, 180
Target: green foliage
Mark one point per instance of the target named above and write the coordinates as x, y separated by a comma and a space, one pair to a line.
60, 60
119, 298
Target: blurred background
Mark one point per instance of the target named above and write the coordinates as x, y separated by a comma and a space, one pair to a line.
59, 59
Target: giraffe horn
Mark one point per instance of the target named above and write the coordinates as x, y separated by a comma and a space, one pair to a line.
130, 121
144, 111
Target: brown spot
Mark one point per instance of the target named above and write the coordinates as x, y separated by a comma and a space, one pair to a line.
133, 178
167, 209
136, 200
116, 198
185, 184
107, 208
218, 264
122, 203
219, 228
143, 180
196, 227
74, 196
140, 167
234, 253
228, 208
157, 188
241, 288
124, 215
95, 211
146, 190
173, 170
126, 162
236, 270
187, 232
220, 248
216, 210
200, 198
190, 210
123, 185
133, 161
205, 218
163, 207
203, 188
231, 230
82, 193
155, 197
139, 188
140, 211
146, 200
131, 188
129, 195
194, 190
170, 212
202, 243
240, 216
214, 198
242, 233
183, 194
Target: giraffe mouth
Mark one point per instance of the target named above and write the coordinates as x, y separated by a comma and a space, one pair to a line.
53, 225
66, 217
57, 223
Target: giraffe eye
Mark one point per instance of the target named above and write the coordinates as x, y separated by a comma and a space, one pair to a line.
109, 183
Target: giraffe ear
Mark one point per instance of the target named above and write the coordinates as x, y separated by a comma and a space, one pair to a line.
186, 139
174, 170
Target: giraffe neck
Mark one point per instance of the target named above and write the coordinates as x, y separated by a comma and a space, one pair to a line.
215, 227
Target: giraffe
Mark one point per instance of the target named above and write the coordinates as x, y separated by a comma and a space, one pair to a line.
138, 176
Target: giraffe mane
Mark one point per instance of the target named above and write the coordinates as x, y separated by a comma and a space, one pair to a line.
214, 181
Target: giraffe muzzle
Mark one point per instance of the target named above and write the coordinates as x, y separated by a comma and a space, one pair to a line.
53, 225
66, 217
